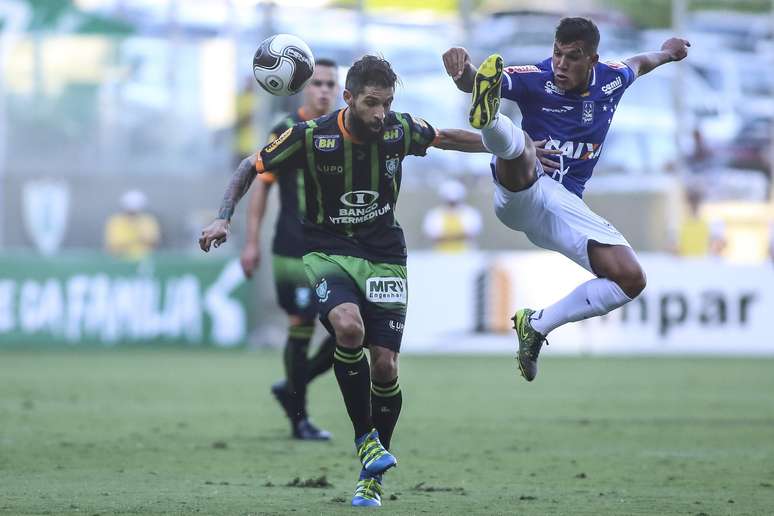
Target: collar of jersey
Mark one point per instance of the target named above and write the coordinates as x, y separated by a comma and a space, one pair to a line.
302, 114
344, 130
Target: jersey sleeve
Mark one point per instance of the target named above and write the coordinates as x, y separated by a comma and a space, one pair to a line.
514, 85
421, 135
622, 69
286, 150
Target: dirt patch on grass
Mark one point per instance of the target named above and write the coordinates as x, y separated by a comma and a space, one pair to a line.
314, 483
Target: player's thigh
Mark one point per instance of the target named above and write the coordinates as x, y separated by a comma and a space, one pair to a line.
386, 300
333, 287
566, 225
517, 174
522, 210
294, 293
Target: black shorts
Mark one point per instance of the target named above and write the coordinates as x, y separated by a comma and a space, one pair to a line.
380, 290
294, 294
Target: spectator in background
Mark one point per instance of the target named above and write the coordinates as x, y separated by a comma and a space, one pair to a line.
696, 236
453, 226
132, 234
244, 130
771, 241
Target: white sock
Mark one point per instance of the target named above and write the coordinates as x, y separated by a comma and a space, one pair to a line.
503, 138
595, 297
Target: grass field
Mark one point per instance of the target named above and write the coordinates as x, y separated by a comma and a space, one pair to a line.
143, 432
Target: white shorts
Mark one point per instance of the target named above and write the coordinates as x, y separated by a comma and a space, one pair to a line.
554, 218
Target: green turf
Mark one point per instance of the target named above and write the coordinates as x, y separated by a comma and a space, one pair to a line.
143, 432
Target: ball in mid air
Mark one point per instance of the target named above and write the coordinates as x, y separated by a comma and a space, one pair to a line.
283, 64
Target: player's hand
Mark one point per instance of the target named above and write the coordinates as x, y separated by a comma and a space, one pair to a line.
250, 258
543, 154
677, 48
456, 60
214, 234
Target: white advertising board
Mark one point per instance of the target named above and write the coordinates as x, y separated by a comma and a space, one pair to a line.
461, 303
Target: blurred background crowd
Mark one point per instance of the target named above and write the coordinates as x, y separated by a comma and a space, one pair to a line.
157, 96
121, 120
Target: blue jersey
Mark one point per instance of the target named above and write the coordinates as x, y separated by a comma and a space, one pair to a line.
575, 123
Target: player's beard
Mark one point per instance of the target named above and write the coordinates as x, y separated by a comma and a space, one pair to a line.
363, 131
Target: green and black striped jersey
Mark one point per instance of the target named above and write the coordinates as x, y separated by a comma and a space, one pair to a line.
350, 187
288, 235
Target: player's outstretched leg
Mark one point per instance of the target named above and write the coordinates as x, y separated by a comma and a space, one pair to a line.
368, 490
622, 280
485, 103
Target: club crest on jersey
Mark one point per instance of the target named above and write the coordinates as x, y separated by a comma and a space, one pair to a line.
392, 165
276, 143
587, 118
393, 133
322, 290
327, 142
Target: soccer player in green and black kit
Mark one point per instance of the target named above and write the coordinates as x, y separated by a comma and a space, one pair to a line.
356, 253
293, 292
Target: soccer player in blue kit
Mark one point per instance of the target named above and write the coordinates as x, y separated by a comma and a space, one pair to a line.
540, 172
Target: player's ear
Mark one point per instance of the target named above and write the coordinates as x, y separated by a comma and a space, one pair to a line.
348, 98
595, 58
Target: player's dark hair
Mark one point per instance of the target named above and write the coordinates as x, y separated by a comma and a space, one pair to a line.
370, 71
324, 61
578, 29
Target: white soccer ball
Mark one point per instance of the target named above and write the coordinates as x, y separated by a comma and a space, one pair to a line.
283, 64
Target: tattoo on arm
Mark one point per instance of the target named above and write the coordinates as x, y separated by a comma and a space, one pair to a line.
237, 187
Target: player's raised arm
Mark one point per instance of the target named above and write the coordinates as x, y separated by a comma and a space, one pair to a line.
456, 60
459, 140
217, 232
673, 49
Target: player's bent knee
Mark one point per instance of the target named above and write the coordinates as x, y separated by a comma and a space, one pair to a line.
633, 281
349, 333
348, 325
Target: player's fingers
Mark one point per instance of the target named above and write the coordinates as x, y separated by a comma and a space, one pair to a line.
539, 143
550, 151
549, 164
204, 244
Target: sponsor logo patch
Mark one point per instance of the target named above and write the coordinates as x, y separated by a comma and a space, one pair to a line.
276, 143
550, 87
522, 69
330, 169
327, 142
396, 326
611, 86
563, 109
393, 133
386, 290
359, 198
